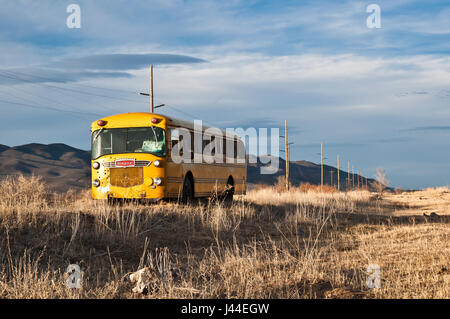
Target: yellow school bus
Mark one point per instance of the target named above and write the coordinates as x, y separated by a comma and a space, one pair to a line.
133, 158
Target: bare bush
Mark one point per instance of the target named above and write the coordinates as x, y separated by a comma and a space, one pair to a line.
381, 180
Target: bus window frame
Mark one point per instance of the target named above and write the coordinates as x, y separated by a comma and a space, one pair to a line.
165, 143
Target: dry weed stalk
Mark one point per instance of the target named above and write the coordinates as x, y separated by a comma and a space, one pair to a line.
297, 244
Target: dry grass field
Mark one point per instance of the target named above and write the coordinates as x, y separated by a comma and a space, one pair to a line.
268, 244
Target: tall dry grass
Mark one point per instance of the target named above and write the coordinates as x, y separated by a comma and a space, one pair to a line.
267, 245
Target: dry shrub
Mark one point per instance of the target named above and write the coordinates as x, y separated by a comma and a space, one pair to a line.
280, 185
268, 244
307, 187
365, 188
437, 190
258, 186
398, 190
23, 191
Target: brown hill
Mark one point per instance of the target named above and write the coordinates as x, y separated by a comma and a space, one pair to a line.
3, 147
61, 166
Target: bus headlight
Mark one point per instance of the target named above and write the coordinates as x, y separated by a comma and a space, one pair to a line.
157, 163
158, 181
96, 182
96, 165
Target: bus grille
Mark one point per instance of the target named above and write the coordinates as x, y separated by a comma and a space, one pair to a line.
137, 164
126, 177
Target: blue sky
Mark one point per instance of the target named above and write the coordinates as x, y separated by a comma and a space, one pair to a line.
377, 97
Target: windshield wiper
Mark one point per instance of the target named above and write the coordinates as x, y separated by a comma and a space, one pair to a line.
98, 133
158, 153
154, 133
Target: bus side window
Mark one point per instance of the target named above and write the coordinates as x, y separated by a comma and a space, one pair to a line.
174, 138
224, 149
192, 145
213, 143
241, 157
205, 142
228, 146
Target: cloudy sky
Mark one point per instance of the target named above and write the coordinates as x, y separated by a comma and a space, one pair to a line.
377, 97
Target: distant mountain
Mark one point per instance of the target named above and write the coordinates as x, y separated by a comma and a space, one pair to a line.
3, 148
64, 167
303, 172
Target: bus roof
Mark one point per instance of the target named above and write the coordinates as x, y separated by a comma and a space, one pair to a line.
138, 119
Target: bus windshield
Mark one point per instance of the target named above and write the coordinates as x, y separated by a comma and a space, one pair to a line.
128, 140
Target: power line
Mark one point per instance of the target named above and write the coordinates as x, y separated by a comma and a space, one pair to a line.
48, 108
77, 84
193, 116
13, 77
34, 95
93, 94
52, 100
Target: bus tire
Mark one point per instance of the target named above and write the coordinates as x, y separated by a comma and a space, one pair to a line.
229, 192
187, 195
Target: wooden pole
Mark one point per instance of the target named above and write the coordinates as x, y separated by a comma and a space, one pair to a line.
151, 88
357, 176
286, 147
321, 166
348, 176
288, 163
362, 181
331, 177
339, 186
353, 177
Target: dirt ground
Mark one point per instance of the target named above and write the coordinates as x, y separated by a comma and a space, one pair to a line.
422, 202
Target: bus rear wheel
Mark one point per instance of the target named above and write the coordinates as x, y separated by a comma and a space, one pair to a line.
187, 195
229, 192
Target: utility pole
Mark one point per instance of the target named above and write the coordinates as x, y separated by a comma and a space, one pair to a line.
362, 181
331, 177
152, 105
287, 153
348, 176
357, 176
151, 88
321, 166
322, 158
339, 186
353, 177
